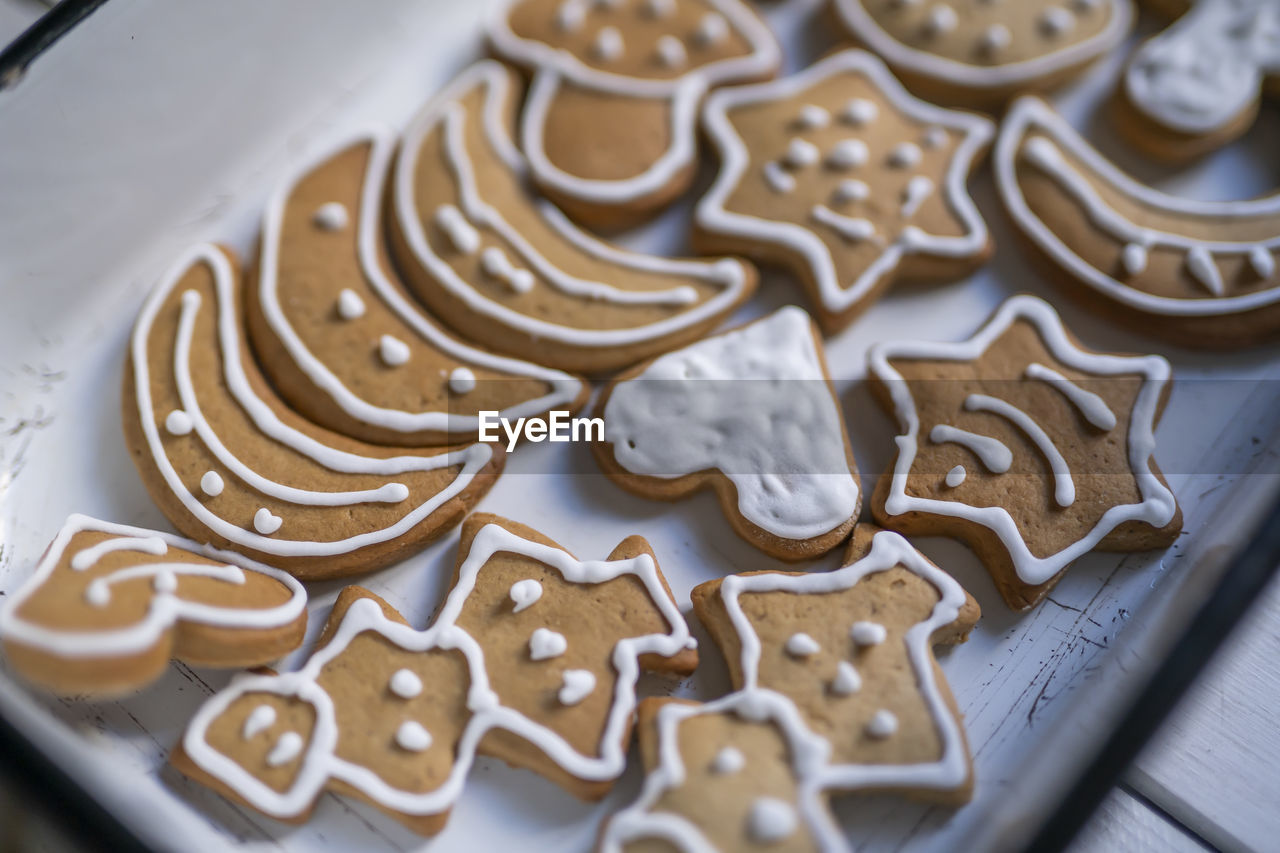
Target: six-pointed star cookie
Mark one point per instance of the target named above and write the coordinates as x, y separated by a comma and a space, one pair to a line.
853, 648
846, 180
1027, 447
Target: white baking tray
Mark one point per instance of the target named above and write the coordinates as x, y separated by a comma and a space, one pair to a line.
155, 124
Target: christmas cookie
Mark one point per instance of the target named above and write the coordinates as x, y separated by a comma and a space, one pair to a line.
739, 773
108, 606
1196, 86
981, 53
608, 125
843, 178
750, 413
1203, 274
336, 333
1025, 446
510, 271
853, 648
228, 463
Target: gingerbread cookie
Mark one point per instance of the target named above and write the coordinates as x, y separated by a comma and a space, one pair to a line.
229, 463
750, 413
338, 336
846, 180
1196, 86
739, 773
1028, 448
853, 648
1203, 274
108, 605
533, 658
510, 271
980, 53
608, 126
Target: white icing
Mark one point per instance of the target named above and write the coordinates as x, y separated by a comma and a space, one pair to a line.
412, 737
993, 453
801, 645
851, 191
1055, 21
805, 488
659, 8
994, 39
800, 153
670, 52
905, 155
1156, 505
405, 683
461, 233
1202, 268
934, 138
1262, 262
955, 476
940, 20
837, 293
712, 29
778, 178
608, 46
350, 306
98, 591
577, 685
331, 216
571, 15
496, 264
771, 820
853, 229
211, 484
847, 154
393, 351
545, 644
847, 680
1064, 490
917, 190
462, 380
1094, 409
167, 581
260, 719
525, 593
728, 760
287, 748
177, 422
1133, 258
266, 523
868, 633
859, 112
812, 117
883, 723
147, 544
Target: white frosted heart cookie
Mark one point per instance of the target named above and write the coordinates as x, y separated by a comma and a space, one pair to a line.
750, 413
1203, 274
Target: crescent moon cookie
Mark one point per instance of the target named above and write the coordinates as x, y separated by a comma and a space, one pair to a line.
853, 648
336, 333
608, 125
738, 773
109, 605
980, 53
533, 658
1196, 86
1028, 448
846, 180
510, 271
1203, 274
228, 463
750, 413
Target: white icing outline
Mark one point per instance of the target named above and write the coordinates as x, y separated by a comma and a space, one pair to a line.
1013, 74
166, 609
1030, 113
555, 65
727, 273
472, 458
1157, 506
735, 160
382, 142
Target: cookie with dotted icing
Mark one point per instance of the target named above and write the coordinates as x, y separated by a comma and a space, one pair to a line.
1196, 86
337, 334
563, 643
750, 413
508, 270
840, 176
738, 773
853, 648
1203, 274
230, 464
1027, 447
983, 52
608, 125
108, 605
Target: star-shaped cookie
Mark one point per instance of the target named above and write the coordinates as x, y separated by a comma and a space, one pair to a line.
842, 177
1027, 447
853, 649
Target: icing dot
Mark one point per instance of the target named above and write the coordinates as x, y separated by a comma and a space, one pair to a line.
712, 29
955, 476
812, 117
331, 216
659, 8
285, 750
462, 380
1202, 268
847, 680
802, 645
868, 633
1055, 20
394, 351
461, 233
266, 523
260, 719
178, 422
770, 820
577, 685
1262, 261
851, 190
570, 15
941, 19
883, 723
670, 52
859, 112
1085, 5
546, 643
165, 582
608, 45
211, 484
800, 153
405, 683
412, 737
994, 39
913, 195
97, 593
728, 760
777, 178
847, 153
1134, 258
524, 593
905, 155
934, 138
350, 305
495, 264
853, 229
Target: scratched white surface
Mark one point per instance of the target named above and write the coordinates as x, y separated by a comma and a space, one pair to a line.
156, 124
